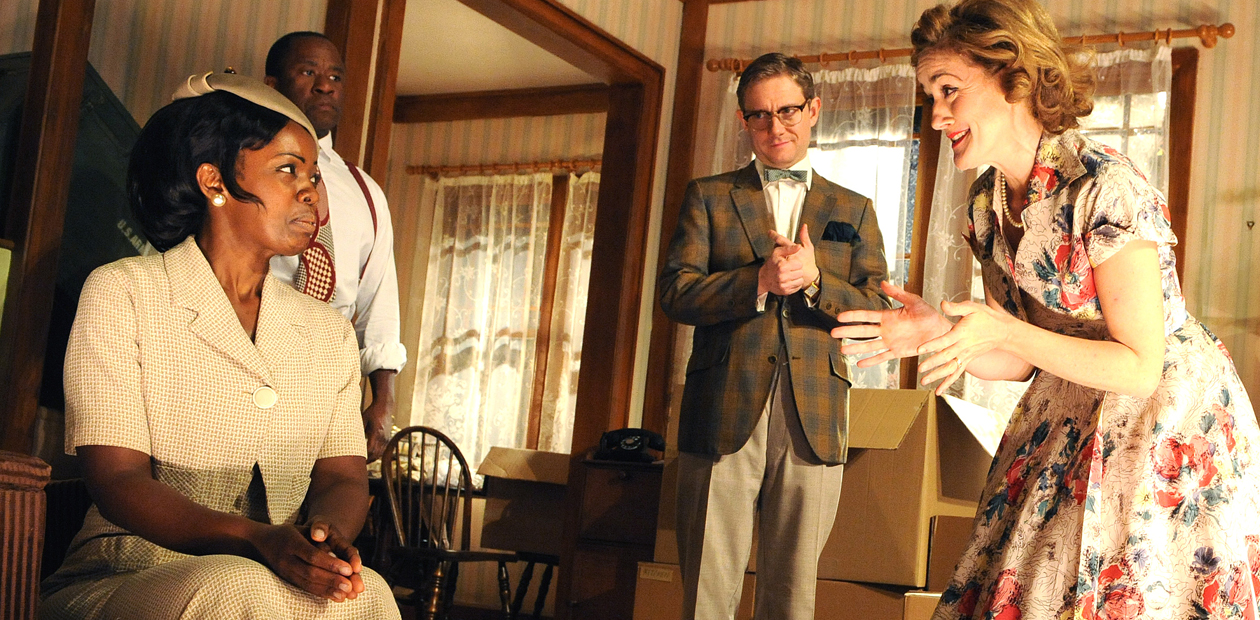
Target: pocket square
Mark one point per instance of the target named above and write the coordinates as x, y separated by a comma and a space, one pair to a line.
843, 232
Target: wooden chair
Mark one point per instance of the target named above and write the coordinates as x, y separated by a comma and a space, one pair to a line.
429, 487
549, 562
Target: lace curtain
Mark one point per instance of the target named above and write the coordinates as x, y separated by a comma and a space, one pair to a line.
863, 141
1130, 113
568, 315
480, 316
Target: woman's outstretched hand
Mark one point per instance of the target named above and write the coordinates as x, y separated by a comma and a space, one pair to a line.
314, 557
890, 334
980, 330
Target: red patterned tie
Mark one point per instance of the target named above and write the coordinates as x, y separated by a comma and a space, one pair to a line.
315, 274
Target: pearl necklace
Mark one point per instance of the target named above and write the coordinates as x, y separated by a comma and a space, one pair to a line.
1001, 192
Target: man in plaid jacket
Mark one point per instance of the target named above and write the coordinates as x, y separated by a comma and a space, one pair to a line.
763, 424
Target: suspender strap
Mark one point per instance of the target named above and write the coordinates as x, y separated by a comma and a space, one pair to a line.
358, 176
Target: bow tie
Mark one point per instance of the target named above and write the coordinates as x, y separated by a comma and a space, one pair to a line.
776, 174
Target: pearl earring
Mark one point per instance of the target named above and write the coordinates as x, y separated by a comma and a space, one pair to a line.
218, 200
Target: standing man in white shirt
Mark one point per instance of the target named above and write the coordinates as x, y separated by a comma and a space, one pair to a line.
350, 264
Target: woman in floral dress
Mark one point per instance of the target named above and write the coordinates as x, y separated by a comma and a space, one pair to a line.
1126, 484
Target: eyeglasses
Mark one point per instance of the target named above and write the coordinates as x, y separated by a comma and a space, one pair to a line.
788, 115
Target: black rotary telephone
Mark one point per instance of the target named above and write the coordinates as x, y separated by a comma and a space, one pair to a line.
629, 444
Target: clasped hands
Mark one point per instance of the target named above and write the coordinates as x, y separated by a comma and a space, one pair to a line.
918, 329
315, 557
790, 266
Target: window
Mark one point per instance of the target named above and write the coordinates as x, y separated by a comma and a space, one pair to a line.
883, 170
504, 310
1134, 125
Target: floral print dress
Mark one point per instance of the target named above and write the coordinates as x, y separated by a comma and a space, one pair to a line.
1100, 505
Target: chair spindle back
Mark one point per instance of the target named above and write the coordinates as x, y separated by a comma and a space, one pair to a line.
430, 488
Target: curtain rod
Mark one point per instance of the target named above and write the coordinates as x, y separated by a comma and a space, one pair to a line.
562, 165
1207, 34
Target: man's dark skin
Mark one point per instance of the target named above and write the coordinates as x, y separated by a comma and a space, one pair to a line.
312, 78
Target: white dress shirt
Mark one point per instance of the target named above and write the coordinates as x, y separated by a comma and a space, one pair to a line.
785, 198
370, 301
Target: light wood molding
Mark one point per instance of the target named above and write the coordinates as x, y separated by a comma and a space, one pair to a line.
542, 341
680, 171
557, 167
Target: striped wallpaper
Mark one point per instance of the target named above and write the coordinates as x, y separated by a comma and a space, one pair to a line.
144, 48
1223, 255
649, 26
17, 26
800, 26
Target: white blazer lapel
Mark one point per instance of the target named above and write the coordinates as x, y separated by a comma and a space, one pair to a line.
282, 332
193, 286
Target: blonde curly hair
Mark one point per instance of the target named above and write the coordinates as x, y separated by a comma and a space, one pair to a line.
1016, 41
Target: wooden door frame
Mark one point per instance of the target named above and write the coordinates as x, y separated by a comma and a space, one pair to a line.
369, 35
635, 93
37, 207
1181, 100
679, 172
621, 228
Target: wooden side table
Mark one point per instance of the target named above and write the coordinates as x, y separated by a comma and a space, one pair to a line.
618, 530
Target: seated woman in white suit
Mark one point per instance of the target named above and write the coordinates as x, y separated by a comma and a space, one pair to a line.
209, 402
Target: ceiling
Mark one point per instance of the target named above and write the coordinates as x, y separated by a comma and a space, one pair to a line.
450, 48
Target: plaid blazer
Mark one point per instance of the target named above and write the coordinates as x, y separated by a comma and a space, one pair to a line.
709, 280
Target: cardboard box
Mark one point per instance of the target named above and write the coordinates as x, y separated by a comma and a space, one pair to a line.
920, 605
911, 458
949, 539
524, 500
844, 600
658, 593
658, 596
666, 551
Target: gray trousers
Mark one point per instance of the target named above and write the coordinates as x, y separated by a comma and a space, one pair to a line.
775, 477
